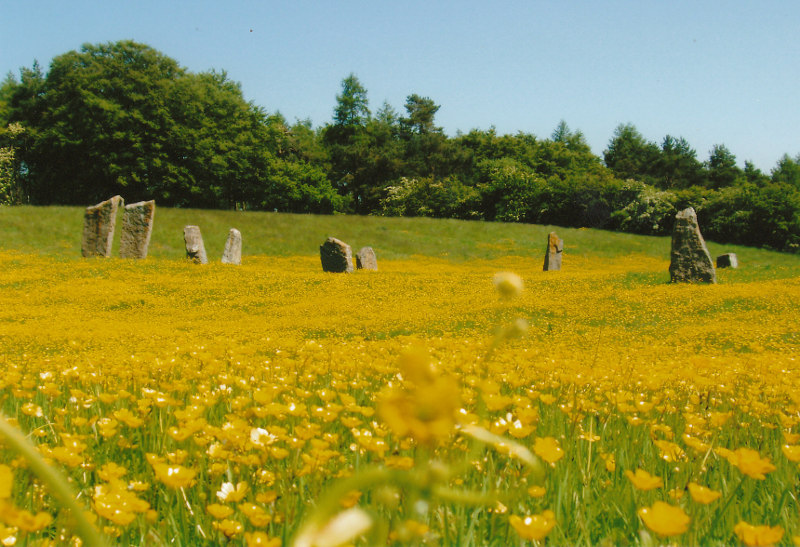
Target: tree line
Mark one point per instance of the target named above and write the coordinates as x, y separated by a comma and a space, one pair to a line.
123, 118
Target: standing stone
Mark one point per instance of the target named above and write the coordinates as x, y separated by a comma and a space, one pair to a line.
98, 227
336, 256
195, 250
366, 260
690, 261
137, 225
233, 248
552, 256
728, 260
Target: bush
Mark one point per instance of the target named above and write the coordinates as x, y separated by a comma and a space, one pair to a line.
293, 187
510, 192
759, 216
643, 209
430, 197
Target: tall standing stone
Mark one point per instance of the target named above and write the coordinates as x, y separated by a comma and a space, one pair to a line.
195, 250
232, 254
690, 261
137, 226
366, 259
98, 227
552, 256
336, 256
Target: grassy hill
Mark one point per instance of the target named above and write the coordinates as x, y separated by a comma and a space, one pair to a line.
56, 232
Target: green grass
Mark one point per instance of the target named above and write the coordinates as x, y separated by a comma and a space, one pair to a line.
56, 231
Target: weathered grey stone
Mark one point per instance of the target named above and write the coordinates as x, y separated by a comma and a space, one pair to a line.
728, 260
690, 261
98, 227
336, 256
195, 250
137, 226
233, 248
552, 256
366, 259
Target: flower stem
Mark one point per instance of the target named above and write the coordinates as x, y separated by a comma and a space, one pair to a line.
57, 483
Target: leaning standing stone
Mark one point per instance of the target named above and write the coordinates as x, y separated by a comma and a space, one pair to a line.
98, 227
690, 261
728, 260
232, 254
137, 225
336, 256
366, 260
552, 256
195, 250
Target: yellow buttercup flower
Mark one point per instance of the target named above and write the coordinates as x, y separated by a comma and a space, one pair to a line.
757, 536
751, 463
701, 494
665, 519
642, 480
219, 511
792, 452
548, 449
257, 516
174, 476
111, 471
537, 491
115, 503
424, 407
260, 539
533, 527
230, 528
610, 461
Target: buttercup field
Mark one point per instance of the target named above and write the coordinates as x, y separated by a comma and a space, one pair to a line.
457, 396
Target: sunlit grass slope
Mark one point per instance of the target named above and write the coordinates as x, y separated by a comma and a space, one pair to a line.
194, 405
56, 231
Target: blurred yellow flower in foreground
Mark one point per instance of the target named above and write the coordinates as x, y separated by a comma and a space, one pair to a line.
701, 494
6, 481
533, 527
750, 462
508, 284
259, 539
792, 452
424, 406
665, 519
757, 536
537, 491
548, 449
643, 480
24, 520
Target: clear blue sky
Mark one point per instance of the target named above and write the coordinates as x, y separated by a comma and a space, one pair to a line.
713, 72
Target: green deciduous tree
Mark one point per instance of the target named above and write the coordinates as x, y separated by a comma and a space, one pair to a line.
629, 155
421, 112
677, 165
721, 167
787, 171
122, 118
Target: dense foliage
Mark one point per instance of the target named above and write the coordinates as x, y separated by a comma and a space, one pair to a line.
123, 118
